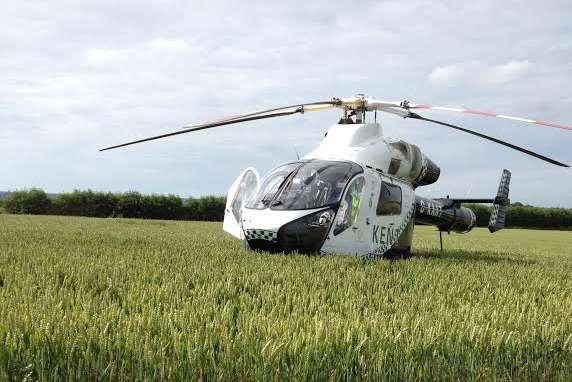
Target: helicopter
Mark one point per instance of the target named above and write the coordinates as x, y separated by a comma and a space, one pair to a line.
354, 194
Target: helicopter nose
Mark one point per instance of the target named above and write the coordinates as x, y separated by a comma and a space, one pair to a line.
303, 235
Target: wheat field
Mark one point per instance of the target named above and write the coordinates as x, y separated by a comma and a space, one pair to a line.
118, 299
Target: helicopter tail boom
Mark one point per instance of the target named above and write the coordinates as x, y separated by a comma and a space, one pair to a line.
449, 215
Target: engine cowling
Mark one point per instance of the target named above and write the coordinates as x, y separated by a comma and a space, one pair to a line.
409, 162
428, 174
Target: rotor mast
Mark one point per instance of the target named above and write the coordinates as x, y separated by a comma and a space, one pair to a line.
355, 109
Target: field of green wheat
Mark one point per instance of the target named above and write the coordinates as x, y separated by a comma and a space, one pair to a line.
118, 299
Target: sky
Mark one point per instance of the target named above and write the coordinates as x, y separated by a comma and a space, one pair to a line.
76, 76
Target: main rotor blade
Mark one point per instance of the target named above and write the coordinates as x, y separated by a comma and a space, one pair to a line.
510, 145
271, 113
197, 128
307, 107
408, 106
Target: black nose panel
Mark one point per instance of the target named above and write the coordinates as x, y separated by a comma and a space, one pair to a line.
304, 235
264, 245
293, 237
299, 237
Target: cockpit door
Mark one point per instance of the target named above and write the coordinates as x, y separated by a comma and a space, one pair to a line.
241, 191
349, 234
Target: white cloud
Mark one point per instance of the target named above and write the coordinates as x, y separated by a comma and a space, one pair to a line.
445, 74
105, 56
235, 53
168, 44
508, 72
477, 73
452, 74
561, 46
140, 51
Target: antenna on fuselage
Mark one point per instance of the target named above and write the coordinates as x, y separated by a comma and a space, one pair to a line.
296, 151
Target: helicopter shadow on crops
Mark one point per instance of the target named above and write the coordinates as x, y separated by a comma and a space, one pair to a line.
471, 256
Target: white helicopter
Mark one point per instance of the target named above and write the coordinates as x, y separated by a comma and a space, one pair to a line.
355, 193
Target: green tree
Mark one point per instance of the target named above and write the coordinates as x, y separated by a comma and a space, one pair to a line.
211, 208
33, 201
130, 205
191, 209
162, 207
86, 203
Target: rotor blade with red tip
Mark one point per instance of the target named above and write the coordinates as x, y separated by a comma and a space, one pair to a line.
486, 114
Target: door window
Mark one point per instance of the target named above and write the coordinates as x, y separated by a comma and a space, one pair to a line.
349, 207
244, 193
389, 202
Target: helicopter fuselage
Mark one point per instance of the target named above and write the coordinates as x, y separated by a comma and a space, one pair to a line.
353, 195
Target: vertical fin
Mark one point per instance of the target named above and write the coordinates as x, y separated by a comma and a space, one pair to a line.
501, 203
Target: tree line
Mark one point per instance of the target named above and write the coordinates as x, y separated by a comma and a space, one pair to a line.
106, 204
211, 208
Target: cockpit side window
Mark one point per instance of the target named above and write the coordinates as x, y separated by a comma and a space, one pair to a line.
389, 202
349, 207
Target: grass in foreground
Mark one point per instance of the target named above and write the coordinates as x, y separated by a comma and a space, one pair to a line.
102, 299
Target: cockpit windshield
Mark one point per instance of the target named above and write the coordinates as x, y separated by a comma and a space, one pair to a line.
270, 186
304, 185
